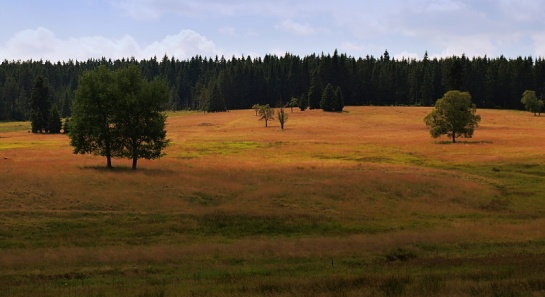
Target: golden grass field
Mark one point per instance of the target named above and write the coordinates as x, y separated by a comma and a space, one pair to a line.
359, 203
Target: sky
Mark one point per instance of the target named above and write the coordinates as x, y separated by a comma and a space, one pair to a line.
59, 30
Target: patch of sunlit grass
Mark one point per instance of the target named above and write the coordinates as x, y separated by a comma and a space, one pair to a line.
335, 204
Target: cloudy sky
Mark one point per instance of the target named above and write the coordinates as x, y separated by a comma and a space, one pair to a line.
58, 30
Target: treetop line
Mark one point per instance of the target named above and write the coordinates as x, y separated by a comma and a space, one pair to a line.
492, 82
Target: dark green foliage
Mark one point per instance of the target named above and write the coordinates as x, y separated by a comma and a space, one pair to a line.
338, 100
493, 83
531, 102
303, 102
328, 96
332, 100
92, 130
138, 117
315, 91
39, 106
454, 115
119, 114
66, 126
215, 102
54, 122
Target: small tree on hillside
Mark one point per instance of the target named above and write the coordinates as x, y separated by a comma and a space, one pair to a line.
256, 107
531, 102
454, 115
294, 102
266, 113
282, 117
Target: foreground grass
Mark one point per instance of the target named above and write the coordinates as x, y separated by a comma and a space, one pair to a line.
362, 203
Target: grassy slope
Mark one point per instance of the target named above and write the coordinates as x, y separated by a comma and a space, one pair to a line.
359, 202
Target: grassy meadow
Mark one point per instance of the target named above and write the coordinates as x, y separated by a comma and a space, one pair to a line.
359, 203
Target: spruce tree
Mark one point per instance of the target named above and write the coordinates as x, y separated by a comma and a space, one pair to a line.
54, 122
338, 100
216, 102
315, 91
327, 98
303, 102
39, 106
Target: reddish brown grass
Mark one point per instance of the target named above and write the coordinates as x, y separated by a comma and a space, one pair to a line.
373, 169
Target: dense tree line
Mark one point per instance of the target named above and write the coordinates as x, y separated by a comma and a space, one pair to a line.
244, 81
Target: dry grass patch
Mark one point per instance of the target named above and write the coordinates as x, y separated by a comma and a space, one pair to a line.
243, 209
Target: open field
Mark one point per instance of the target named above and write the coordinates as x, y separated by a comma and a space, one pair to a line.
360, 203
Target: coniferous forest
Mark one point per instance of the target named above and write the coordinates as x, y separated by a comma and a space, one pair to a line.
244, 81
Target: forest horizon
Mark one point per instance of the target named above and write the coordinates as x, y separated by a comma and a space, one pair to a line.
492, 82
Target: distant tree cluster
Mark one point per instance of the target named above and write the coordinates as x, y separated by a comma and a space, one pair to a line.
531, 102
119, 114
216, 84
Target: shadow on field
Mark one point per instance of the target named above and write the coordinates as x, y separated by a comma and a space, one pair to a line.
463, 142
127, 169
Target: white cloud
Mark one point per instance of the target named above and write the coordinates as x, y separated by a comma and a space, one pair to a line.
183, 45
296, 28
405, 55
42, 43
471, 46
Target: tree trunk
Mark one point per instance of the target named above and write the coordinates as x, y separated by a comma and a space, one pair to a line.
134, 161
453, 137
109, 162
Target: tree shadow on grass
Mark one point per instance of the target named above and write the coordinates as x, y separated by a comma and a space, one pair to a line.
128, 169
463, 142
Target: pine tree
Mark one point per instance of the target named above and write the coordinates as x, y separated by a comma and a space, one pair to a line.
54, 122
327, 98
39, 106
315, 91
216, 102
338, 100
303, 102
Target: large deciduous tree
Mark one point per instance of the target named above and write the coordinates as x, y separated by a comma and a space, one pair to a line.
139, 117
119, 114
92, 126
531, 102
454, 115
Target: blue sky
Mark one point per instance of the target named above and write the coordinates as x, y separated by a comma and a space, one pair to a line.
58, 30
